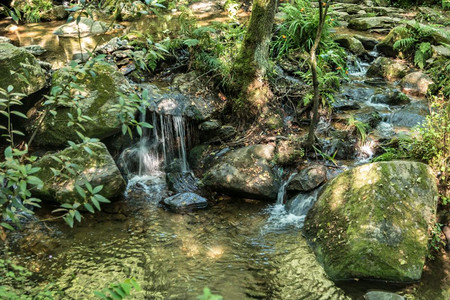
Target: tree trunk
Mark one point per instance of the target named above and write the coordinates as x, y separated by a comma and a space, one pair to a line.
323, 10
252, 62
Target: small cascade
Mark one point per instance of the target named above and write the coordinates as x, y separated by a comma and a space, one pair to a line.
356, 67
366, 151
291, 214
282, 190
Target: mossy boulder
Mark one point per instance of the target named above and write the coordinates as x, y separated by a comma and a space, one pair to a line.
350, 43
97, 168
99, 94
245, 172
23, 64
386, 46
373, 23
372, 222
387, 68
416, 83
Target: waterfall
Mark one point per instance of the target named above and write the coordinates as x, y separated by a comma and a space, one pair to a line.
158, 147
282, 190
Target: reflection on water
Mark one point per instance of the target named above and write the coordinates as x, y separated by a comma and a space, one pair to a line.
175, 256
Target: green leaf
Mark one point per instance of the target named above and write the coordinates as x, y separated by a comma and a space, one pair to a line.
66, 205
18, 113
97, 189
7, 226
80, 191
102, 199
95, 202
89, 207
78, 216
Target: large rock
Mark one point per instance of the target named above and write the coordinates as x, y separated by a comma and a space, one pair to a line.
185, 202
22, 63
308, 179
387, 68
410, 115
350, 43
98, 168
57, 12
97, 96
85, 27
373, 23
386, 46
372, 221
245, 172
380, 295
416, 83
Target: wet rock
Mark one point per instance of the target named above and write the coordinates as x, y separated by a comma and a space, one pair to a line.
85, 27
384, 131
197, 155
308, 179
341, 145
221, 134
113, 45
391, 97
97, 169
209, 125
350, 43
369, 116
188, 98
387, 68
289, 151
373, 23
185, 202
410, 115
36, 50
99, 93
17, 62
357, 93
344, 104
416, 83
81, 56
368, 42
57, 12
380, 295
372, 221
4, 39
245, 172
181, 182
45, 65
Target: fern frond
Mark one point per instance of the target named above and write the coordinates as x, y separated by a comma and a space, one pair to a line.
404, 44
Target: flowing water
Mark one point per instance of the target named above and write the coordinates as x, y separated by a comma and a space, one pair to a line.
240, 248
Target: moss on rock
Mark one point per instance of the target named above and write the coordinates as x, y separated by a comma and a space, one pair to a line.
372, 222
100, 93
22, 64
98, 168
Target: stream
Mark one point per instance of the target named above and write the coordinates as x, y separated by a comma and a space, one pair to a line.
239, 248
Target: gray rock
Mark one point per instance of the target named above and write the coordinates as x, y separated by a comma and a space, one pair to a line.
96, 169
441, 50
221, 134
380, 295
209, 125
391, 97
185, 202
245, 172
36, 50
85, 27
373, 23
368, 42
372, 222
308, 179
410, 115
350, 43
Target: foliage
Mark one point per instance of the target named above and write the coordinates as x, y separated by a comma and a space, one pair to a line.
29, 12
400, 148
145, 7
149, 52
436, 240
207, 295
298, 29
416, 43
433, 146
359, 126
330, 71
118, 291
16, 284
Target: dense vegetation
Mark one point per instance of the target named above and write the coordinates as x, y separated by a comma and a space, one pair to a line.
212, 52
